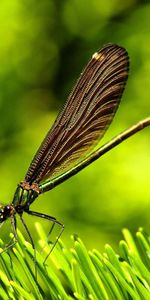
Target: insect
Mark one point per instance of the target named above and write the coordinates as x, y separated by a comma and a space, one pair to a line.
68, 146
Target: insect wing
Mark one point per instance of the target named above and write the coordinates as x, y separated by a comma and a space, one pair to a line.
85, 117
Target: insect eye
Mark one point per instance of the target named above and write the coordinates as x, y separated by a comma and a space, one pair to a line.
1, 210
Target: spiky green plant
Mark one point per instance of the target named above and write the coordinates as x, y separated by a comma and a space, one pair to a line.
77, 273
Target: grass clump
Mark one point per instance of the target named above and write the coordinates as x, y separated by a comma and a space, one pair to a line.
77, 273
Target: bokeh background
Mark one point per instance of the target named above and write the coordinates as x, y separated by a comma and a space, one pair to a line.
43, 47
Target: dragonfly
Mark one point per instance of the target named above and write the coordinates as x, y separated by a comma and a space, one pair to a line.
69, 146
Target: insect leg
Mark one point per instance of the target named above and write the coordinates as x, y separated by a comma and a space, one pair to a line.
12, 242
32, 242
51, 219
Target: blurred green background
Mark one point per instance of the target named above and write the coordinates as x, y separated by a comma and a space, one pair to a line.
43, 47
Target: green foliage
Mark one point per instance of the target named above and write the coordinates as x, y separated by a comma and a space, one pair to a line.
43, 47
77, 273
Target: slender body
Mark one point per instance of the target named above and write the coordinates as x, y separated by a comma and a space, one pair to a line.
68, 146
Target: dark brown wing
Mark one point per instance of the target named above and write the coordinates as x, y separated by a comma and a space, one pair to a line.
85, 117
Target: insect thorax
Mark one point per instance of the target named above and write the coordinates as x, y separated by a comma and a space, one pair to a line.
25, 194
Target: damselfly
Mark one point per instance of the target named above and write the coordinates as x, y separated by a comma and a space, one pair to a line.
68, 146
